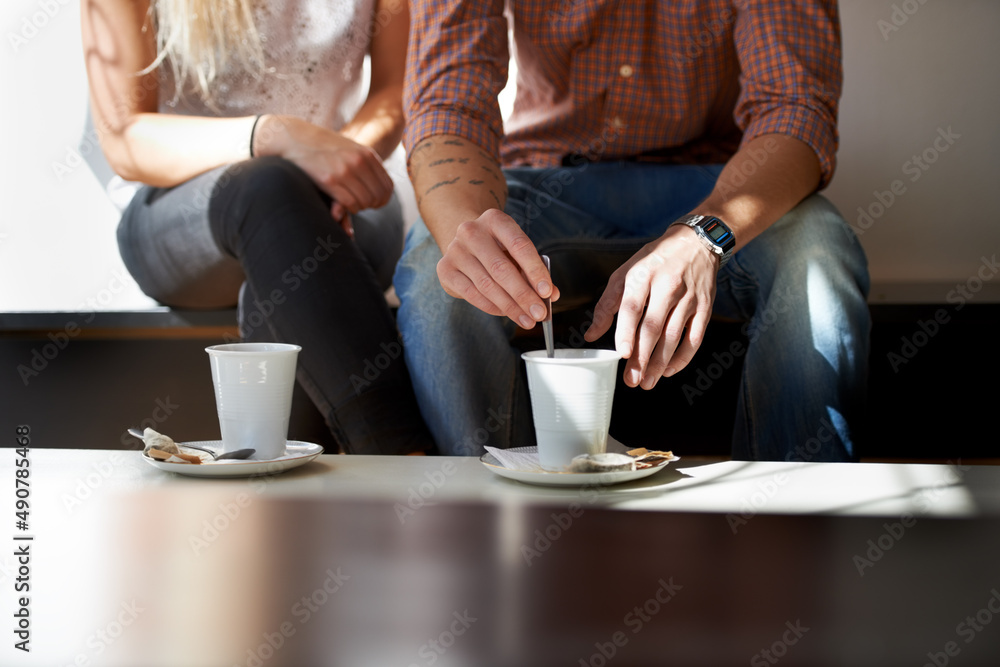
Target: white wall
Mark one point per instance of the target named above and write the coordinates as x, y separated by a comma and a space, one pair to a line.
57, 247
938, 71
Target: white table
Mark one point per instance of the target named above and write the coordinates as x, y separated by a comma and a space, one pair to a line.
688, 485
383, 561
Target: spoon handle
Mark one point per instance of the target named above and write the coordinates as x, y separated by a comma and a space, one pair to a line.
200, 449
238, 454
547, 322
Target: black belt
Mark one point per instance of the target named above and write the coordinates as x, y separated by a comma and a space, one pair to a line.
672, 155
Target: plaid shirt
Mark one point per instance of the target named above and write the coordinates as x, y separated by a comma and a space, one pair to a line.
673, 80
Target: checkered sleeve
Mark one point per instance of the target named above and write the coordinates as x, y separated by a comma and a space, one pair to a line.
791, 73
456, 66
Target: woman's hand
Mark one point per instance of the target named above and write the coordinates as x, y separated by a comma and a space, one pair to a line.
164, 150
347, 171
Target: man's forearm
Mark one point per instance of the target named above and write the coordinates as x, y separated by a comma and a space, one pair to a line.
455, 181
766, 179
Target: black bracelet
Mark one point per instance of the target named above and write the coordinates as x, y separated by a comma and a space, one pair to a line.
253, 131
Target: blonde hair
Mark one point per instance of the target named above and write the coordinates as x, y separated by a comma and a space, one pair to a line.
201, 38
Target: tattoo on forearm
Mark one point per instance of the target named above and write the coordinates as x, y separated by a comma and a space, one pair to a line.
497, 200
413, 169
475, 182
449, 160
491, 171
454, 142
424, 145
441, 184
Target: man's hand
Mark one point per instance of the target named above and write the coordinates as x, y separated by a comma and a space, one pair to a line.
663, 296
487, 259
492, 264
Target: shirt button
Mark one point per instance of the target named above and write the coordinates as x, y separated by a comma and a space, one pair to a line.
625, 71
618, 122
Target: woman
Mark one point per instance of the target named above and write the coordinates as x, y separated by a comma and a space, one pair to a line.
263, 183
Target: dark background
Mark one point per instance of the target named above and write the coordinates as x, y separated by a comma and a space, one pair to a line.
940, 405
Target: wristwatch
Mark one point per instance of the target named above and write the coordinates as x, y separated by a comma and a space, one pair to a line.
714, 233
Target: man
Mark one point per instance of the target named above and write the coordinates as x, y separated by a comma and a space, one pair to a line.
719, 115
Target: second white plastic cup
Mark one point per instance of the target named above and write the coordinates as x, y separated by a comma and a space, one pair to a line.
253, 392
571, 398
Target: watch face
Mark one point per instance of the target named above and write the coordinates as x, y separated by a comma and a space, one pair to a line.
717, 231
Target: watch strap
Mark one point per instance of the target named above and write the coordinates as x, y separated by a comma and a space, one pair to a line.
703, 225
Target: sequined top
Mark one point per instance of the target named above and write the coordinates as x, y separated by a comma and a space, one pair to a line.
314, 51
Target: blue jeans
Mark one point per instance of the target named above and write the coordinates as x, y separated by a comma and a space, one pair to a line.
800, 287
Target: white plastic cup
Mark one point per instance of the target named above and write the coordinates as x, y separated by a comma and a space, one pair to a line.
253, 393
571, 398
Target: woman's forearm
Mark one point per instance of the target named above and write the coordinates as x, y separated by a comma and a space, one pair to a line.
164, 150
140, 144
379, 122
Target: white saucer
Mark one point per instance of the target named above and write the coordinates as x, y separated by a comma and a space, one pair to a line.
568, 478
296, 454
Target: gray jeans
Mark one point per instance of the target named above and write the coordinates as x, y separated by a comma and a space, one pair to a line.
259, 234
